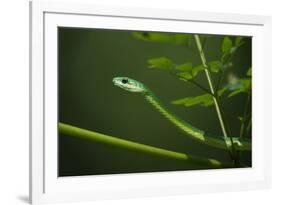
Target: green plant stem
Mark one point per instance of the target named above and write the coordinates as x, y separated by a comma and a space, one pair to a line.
216, 103
69, 130
242, 127
249, 126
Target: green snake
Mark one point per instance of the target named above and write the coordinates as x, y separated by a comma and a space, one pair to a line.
135, 86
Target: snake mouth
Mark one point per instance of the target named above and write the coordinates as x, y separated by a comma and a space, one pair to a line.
116, 81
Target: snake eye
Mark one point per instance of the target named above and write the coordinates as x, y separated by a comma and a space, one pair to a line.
124, 81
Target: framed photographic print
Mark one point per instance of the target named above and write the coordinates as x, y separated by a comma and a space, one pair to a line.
134, 102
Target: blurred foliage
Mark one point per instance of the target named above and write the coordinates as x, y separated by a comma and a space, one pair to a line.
183, 71
187, 71
164, 37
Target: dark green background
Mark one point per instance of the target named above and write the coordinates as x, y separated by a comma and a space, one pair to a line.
90, 58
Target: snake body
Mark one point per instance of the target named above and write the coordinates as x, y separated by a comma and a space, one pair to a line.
135, 86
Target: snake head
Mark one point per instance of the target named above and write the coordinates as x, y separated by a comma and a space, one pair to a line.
129, 84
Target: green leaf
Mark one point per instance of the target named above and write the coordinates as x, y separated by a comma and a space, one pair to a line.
249, 72
236, 92
163, 37
204, 100
229, 48
186, 71
245, 82
223, 57
185, 75
215, 66
160, 63
185, 67
241, 86
197, 69
238, 41
226, 45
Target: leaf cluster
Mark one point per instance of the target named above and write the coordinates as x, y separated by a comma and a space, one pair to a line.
187, 71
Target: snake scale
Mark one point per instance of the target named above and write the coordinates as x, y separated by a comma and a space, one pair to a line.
135, 86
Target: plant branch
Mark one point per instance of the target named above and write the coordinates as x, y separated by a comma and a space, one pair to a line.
198, 85
216, 103
70, 130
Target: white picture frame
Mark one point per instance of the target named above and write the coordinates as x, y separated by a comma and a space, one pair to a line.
46, 187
